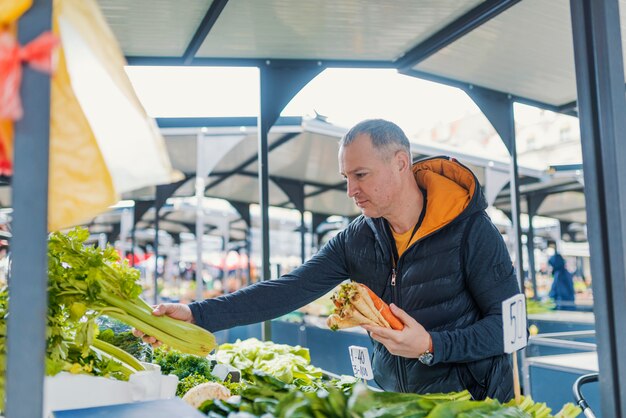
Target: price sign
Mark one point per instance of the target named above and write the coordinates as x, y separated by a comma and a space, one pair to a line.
361, 365
514, 323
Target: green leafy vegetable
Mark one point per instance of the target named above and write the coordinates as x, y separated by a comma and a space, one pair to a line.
128, 342
189, 382
182, 365
287, 363
84, 279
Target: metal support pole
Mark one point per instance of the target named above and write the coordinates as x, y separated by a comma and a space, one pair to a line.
530, 249
602, 108
132, 246
317, 220
295, 192
264, 127
156, 252
200, 184
163, 192
279, 84
140, 209
224, 229
249, 254
530, 242
498, 108
244, 211
26, 336
302, 237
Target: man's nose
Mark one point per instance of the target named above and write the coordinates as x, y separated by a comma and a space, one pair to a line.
352, 189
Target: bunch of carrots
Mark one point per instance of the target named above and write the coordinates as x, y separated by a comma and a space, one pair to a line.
356, 304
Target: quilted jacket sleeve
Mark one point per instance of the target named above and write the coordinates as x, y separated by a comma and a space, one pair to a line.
490, 279
273, 298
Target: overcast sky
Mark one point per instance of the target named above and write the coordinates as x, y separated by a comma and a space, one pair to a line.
346, 96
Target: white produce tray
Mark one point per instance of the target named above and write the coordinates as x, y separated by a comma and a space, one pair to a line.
74, 391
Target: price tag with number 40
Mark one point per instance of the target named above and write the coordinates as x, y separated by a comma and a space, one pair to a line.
361, 365
514, 323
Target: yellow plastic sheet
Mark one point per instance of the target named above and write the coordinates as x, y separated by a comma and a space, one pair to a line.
6, 147
80, 185
11, 10
102, 143
132, 147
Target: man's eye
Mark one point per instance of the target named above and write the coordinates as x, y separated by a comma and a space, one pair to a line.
360, 175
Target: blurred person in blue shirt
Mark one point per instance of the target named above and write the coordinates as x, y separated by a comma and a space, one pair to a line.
562, 290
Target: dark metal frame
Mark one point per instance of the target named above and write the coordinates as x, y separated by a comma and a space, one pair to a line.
163, 192
498, 108
462, 25
601, 103
295, 192
26, 336
602, 107
247, 121
279, 84
203, 30
532, 203
238, 170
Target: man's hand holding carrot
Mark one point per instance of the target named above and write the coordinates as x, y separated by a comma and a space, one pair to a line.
410, 342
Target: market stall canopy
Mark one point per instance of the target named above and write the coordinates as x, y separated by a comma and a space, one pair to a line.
560, 198
467, 44
302, 153
458, 42
303, 156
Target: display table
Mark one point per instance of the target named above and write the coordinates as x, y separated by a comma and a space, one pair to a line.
561, 321
552, 378
328, 349
166, 408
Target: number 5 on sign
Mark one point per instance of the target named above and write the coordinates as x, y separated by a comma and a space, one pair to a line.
514, 323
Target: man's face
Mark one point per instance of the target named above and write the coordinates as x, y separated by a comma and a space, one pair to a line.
372, 181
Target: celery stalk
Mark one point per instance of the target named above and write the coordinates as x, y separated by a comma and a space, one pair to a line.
119, 354
199, 349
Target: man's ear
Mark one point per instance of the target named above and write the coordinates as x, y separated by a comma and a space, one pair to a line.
402, 160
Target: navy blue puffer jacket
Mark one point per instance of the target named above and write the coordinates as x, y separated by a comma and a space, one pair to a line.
452, 280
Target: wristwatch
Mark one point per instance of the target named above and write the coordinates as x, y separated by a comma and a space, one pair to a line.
427, 356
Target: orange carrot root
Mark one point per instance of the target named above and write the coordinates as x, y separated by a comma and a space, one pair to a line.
385, 310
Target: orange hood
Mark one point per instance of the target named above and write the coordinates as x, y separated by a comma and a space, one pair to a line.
450, 187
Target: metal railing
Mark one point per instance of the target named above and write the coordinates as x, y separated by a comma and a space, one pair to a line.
557, 340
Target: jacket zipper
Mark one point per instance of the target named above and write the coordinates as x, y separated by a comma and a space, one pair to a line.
395, 297
400, 363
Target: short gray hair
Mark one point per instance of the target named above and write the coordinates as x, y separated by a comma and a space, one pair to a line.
387, 137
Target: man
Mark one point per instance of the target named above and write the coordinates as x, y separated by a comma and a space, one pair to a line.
424, 244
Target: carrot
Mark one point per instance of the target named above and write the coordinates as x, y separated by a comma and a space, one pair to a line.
385, 310
363, 302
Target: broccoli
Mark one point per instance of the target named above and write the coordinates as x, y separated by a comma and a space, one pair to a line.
182, 365
189, 382
129, 343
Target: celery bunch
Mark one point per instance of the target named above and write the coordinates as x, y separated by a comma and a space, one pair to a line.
91, 362
89, 281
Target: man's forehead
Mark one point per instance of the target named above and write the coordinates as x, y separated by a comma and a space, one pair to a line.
355, 161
